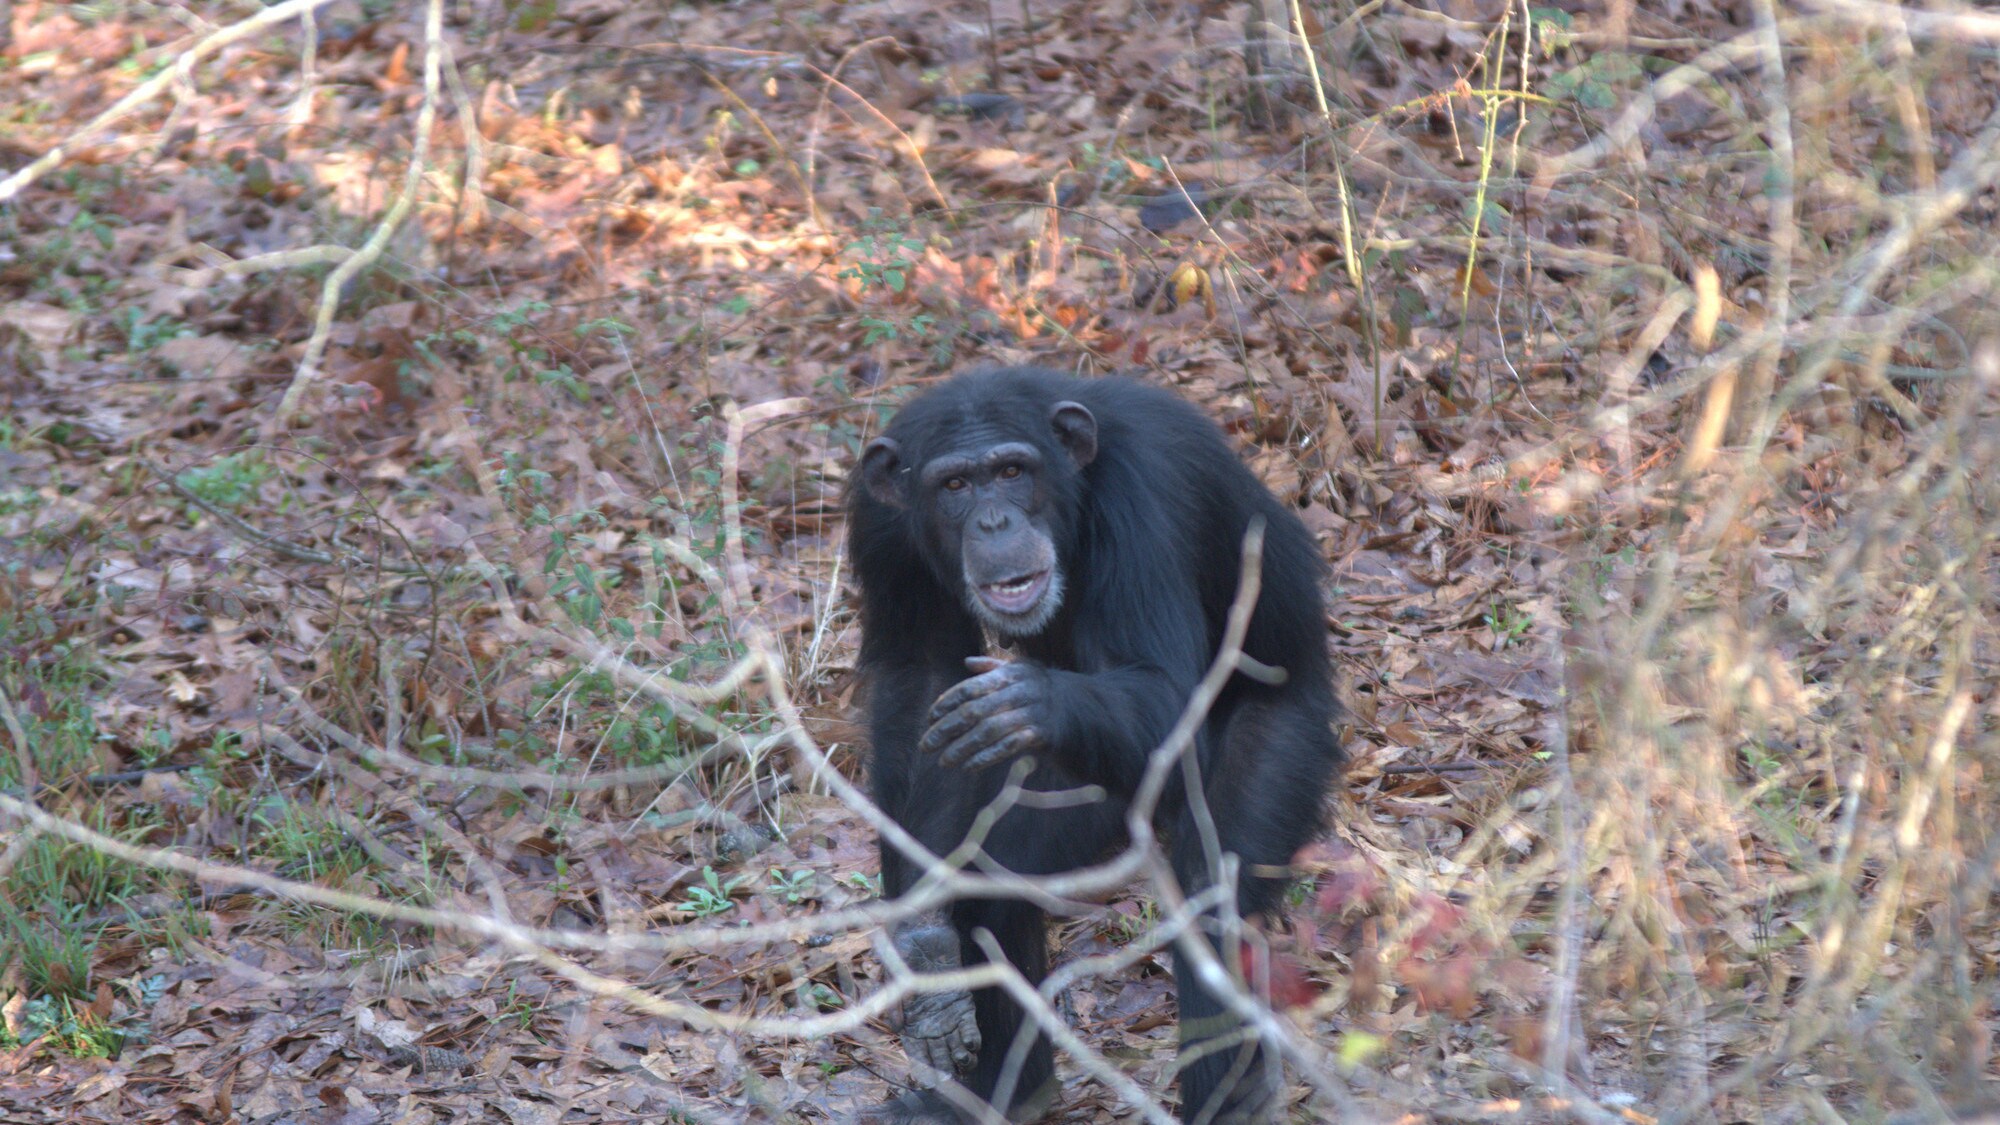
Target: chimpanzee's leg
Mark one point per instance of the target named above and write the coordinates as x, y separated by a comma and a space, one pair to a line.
1263, 799
1226, 1076
1016, 1068
1014, 1065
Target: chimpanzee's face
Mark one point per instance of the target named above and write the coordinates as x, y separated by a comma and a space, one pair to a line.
989, 504
991, 501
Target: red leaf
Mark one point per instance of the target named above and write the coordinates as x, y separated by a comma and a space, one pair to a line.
1290, 986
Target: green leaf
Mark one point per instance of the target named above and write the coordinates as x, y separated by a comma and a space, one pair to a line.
1357, 1047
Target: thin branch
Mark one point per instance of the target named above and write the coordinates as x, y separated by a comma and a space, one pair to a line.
152, 88
378, 241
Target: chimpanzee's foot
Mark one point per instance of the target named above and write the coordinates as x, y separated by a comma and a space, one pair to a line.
929, 1107
940, 1035
918, 1107
1236, 1092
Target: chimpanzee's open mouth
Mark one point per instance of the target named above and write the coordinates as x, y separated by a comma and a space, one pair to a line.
1016, 595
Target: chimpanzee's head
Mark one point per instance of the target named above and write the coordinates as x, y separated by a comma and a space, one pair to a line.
990, 474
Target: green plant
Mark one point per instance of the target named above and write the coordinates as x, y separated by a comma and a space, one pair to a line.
208, 779
885, 260
144, 333
68, 1026
62, 739
822, 997
303, 840
611, 327
1606, 565
515, 479
519, 1008
1594, 82
562, 377
711, 895
882, 260
53, 947
153, 747
230, 481
94, 227
793, 888
1138, 923
73, 1029
1507, 622
17, 500
880, 329
56, 878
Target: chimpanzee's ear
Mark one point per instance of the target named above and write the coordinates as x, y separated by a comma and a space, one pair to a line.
1077, 430
880, 462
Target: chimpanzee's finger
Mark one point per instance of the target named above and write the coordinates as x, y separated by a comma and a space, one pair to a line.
947, 726
965, 1052
953, 726
1014, 745
972, 687
983, 742
960, 707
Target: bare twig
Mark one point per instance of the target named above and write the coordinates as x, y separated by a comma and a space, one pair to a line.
153, 87
378, 241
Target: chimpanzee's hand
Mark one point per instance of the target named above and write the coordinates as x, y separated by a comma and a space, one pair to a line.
998, 713
940, 1031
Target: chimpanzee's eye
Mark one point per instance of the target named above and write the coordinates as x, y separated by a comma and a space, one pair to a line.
1010, 472
954, 484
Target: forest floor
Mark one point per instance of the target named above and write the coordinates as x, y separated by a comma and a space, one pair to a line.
426, 658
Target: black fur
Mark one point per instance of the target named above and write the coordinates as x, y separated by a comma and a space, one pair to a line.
1148, 535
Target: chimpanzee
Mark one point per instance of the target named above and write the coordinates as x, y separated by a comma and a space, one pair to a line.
1095, 527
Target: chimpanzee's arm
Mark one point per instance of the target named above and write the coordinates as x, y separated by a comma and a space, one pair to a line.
1141, 657
915, 639
1099, 727
1107, 724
